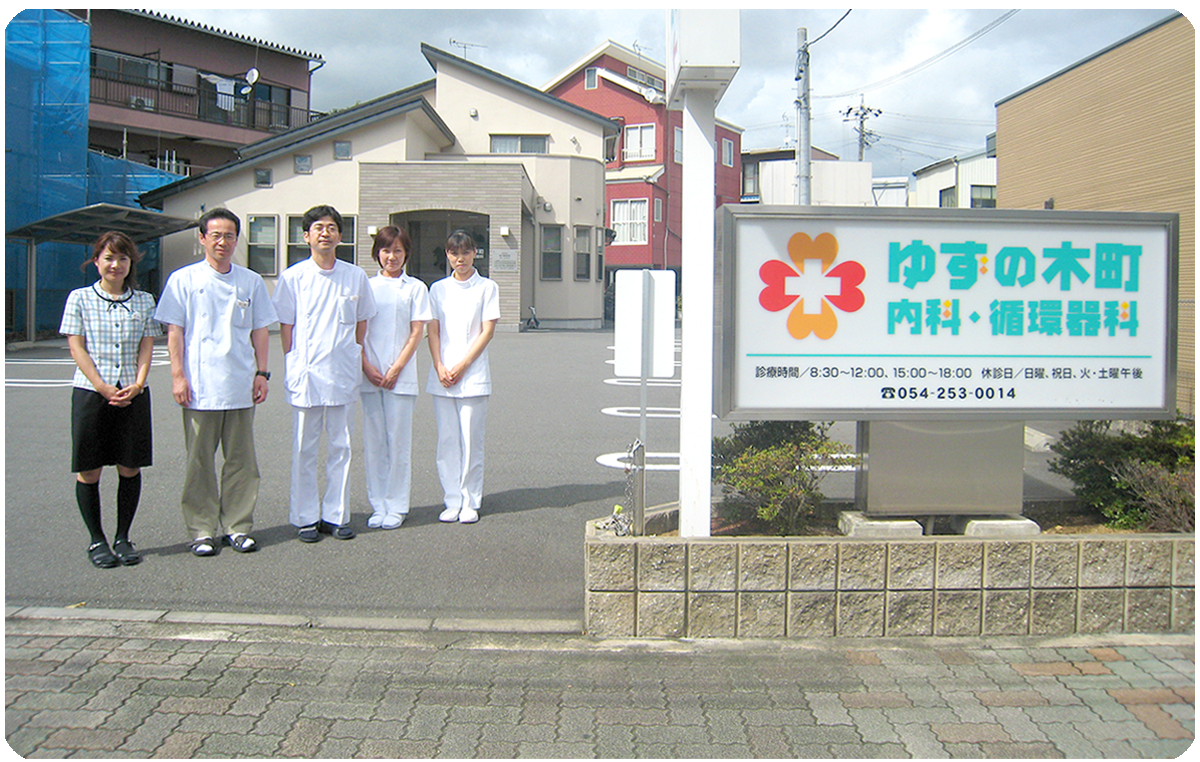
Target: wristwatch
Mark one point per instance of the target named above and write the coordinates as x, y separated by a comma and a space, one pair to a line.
264, 373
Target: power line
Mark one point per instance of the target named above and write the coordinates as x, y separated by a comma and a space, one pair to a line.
830, 29
928, 62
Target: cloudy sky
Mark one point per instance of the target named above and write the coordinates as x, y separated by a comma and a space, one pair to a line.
937, 95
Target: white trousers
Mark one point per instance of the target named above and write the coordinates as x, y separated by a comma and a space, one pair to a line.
387, 451
460, 426
335, 507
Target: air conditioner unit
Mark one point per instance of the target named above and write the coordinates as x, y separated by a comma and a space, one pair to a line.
141, 102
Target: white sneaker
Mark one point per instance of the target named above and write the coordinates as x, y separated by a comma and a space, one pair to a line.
375, 521
393, 522
468, 516
450, 514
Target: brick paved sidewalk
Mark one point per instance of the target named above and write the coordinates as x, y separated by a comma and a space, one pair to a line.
96, 687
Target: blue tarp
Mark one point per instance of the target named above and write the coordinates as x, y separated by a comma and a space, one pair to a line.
48, 168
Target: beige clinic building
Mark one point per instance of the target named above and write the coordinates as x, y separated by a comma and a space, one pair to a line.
520, 170
1114, 132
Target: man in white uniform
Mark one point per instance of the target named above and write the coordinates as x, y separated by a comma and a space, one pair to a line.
217, 314
466, 308
323, 305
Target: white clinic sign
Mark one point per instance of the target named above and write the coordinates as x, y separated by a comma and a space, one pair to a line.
903, 314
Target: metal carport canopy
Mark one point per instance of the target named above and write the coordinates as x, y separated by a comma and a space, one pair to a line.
83, 226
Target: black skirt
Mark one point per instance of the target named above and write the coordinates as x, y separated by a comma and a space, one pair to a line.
103, 435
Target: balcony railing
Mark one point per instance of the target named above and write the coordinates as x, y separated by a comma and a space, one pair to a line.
160, 97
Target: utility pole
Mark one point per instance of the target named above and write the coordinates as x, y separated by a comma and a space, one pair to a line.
861, 113
803, 122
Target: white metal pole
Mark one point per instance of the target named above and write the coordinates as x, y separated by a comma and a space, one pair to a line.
696, 357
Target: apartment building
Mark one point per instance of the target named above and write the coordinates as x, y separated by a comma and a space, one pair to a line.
1114, 132
644, 164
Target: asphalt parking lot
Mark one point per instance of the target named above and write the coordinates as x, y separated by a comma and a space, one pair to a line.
555, 411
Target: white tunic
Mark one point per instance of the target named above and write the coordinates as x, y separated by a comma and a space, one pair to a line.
461, 308
217, 312
324, 367
399, 301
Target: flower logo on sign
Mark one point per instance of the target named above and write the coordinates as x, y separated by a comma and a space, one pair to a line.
788, 285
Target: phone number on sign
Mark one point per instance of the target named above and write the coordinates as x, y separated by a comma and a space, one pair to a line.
948, 393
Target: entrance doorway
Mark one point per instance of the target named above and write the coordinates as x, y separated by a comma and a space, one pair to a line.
429, 230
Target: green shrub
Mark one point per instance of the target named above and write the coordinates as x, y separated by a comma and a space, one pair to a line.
774, 469
1092, 455
1169, 497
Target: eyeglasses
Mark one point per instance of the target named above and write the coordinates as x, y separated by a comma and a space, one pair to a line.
317, 227
227, 237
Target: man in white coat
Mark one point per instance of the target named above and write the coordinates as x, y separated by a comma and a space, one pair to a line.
323, 305
217, 314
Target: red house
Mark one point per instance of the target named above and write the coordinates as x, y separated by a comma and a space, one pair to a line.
644, 173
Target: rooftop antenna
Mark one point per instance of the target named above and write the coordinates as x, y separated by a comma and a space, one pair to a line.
639, 48
465, 45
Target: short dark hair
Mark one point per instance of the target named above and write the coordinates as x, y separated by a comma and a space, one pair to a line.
120, 244
220, 213
388, 238
317, 212
460, 239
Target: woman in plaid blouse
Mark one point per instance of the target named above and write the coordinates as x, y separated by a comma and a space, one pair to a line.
110, 329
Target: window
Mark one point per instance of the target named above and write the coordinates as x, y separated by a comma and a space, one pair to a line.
131, 69
629, 220
948, 198
583, 253
639, 142
750, 179
302, 164
298, 251
345, 250
261, 243
600, 234
727, 152
343, 150
262, 177
658, 209
983, 196
272, 106
520, 144
678, 145
637, 75
590, 78
610, 148
552, 252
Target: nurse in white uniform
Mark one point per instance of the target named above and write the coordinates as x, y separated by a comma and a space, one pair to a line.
466, 307
390, 384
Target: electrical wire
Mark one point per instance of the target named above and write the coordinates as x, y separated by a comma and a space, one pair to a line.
830, 29
928, 62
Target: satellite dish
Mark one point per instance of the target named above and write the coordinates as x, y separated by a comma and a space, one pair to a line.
252, 75
246, 90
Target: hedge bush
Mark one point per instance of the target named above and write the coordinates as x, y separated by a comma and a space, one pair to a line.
1119, 470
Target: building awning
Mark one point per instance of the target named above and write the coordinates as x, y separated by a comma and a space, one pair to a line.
85, 224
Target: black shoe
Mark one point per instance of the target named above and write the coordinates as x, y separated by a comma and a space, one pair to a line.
241, 542
204, 546
343, 532
309, 533
126, 553
102, 557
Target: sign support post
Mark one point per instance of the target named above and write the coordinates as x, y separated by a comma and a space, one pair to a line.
704, 52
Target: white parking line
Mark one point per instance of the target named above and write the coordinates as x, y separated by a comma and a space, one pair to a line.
621, 459
635, 412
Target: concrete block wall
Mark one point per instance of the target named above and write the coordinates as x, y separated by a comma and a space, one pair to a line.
931, 586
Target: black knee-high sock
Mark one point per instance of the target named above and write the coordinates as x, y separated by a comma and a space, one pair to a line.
88, 497
129, 492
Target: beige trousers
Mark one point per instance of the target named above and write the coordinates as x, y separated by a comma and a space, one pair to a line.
208, 508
